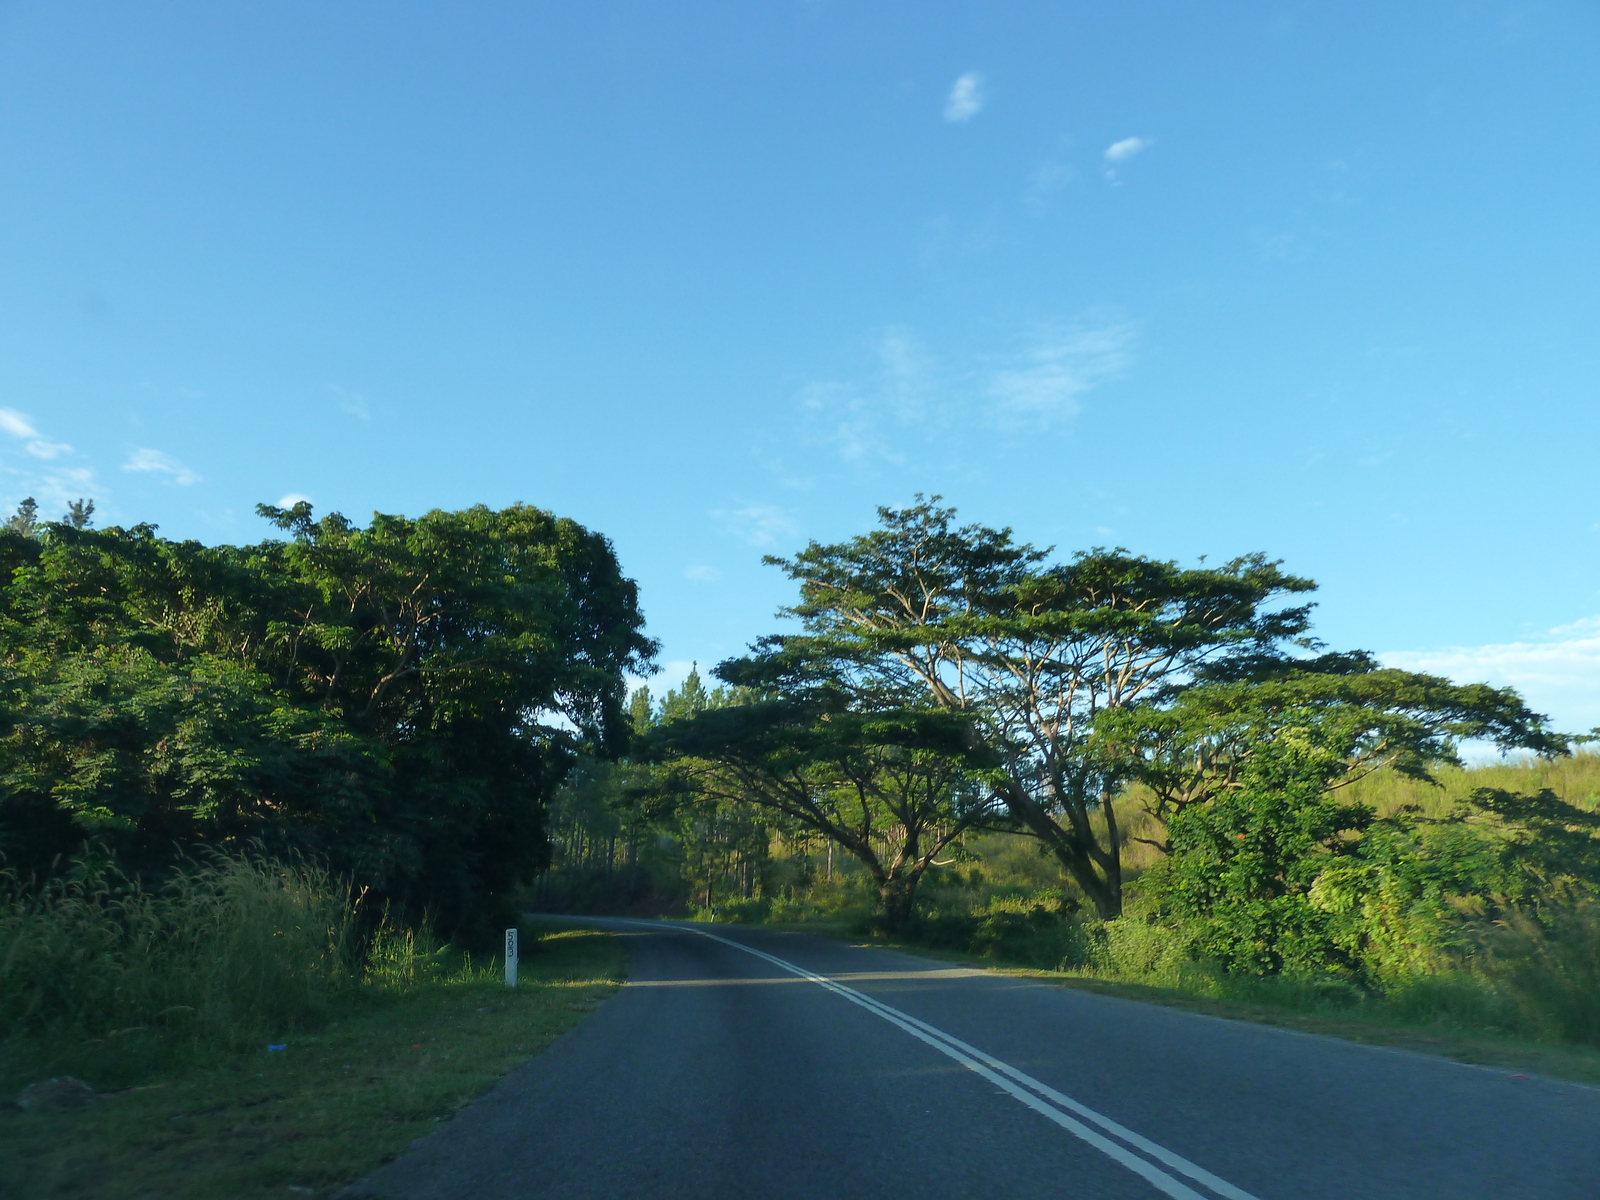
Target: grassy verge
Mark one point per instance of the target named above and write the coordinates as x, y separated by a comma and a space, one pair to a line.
330, 1108
1373, 1027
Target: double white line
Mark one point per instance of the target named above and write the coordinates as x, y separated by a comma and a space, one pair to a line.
1043, 1099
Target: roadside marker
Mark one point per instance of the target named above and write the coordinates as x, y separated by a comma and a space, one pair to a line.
511, 957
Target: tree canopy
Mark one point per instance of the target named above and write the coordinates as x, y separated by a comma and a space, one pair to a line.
398, 699
1082, 675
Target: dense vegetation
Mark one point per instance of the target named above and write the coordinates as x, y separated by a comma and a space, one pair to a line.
244, 792
1103, 764
395, 702
1192, 769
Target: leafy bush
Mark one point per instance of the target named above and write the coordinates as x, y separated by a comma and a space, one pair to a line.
1132, 949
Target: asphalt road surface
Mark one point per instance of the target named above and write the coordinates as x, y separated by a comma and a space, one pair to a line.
751, 1064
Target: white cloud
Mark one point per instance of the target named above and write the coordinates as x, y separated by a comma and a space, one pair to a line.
1127, 148
292, 499
17, 425
155, 462
701, 573
966, 98
1558, 674
1058, 365
758, 524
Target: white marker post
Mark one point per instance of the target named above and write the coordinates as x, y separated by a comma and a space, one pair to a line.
511, 957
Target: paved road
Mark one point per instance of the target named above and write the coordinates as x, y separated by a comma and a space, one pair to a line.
751, 1064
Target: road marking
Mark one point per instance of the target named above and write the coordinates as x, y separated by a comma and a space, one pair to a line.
1019, 1085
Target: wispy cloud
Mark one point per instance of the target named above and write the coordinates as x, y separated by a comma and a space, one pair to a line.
350, 402
913, 396
292, 499
1056, 365
53, 488
17, 425
701, 573
860, 417
758, 524
1121, 152
1054, 172
20, 426
1126, 148
966, 98
157, 463
1558, 673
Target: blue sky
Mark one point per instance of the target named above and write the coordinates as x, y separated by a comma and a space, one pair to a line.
1320, 280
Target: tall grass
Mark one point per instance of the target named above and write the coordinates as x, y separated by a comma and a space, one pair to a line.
225, 950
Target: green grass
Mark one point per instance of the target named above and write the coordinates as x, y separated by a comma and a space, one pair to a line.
341, 1100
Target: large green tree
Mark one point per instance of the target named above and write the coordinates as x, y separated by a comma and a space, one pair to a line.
1040, 657
1193, 746
1031, 653
892, 786
400, 699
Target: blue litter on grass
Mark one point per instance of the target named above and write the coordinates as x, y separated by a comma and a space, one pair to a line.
278, 1046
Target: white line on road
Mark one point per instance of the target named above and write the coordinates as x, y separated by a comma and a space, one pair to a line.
1007, 1078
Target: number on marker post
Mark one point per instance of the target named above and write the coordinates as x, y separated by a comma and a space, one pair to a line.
511, 958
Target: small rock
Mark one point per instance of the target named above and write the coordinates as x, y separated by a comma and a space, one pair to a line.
55, 1095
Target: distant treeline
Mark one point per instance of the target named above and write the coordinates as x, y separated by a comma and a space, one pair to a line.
396, 701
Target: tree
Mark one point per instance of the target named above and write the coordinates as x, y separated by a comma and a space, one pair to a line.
1191, 747
893, 787
1277, 872
401, 699
1031, 654
26, 519
1242, 868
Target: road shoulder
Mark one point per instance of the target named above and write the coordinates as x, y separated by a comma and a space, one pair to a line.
1576, 1064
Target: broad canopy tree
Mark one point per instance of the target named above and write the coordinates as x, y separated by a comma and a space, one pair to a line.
1081, 676
1196, 746
893, 787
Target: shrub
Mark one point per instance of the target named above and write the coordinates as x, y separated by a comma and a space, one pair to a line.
1132, 949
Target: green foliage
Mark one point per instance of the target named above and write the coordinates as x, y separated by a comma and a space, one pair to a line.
25, 521
1188, 748
893, 787
1032, 653
399, 700
1243, 866
224, 952
1279, 874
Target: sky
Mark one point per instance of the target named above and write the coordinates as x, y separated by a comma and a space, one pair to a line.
716, 279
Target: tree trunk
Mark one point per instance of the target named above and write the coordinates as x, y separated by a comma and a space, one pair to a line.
895, 894
1102, 886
